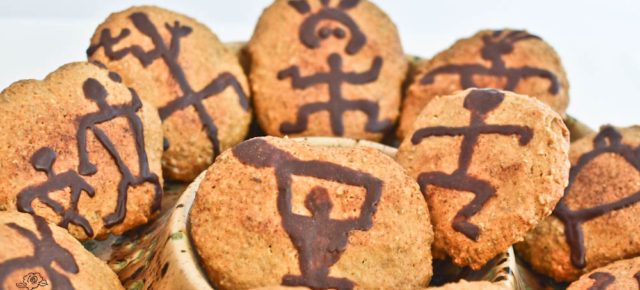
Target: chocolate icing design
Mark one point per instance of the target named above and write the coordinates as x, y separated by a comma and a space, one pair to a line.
573, 219
169, 53
311, 36
337, 104
112, 75
96, 92
603, 280
43, 161
479, 102
46, 252
496, 45
318, 239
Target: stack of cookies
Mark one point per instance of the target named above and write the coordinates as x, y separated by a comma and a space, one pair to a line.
487, 158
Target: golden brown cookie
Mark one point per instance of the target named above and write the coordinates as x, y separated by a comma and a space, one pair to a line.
280, 287
491, 165
178, 65
596, 222
326, 68
239, 49
577, 128
511, 60
80, 149
623, 274
275, 211
472, 285
36, 254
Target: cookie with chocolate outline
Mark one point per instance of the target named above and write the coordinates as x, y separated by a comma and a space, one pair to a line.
37, 254
178, 65
82, 150
624, 274
326, 68
596, 221
510, 60
275, 211
491, 165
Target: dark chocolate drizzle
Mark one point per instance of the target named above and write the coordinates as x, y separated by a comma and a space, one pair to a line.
336, 105
99, 64
603, 280
311, 39
495, 46
94, 91
573, 219
112, 75
169, 54
318, 239
46, 252
480, 102
43, 160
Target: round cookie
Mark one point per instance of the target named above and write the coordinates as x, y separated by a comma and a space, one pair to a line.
178, 65
36, 254
326, 68
624, 274
275, 211
491, 165
596, 222
82, 150
510, 60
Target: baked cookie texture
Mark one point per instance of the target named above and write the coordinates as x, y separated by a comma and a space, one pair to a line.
624, 274
239, 49
275, 211
576, 128
596, 221
37, 254
472, 285
178, 65
326, 68
491, 165
81, 150
510, 60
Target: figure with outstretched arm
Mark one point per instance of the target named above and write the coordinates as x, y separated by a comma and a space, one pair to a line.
496, 45
96, 92
169, 54
43, 160
318, 239
480, 102
337, 104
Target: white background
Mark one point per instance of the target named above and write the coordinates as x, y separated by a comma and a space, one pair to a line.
598, 41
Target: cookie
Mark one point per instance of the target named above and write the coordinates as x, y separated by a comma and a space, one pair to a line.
596, 222
472, 285
623, 274
510, 60
280, 287
275, 211
326, 68
239, 49
577, 128
491, 165
37, 254
178, 65
82, 150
